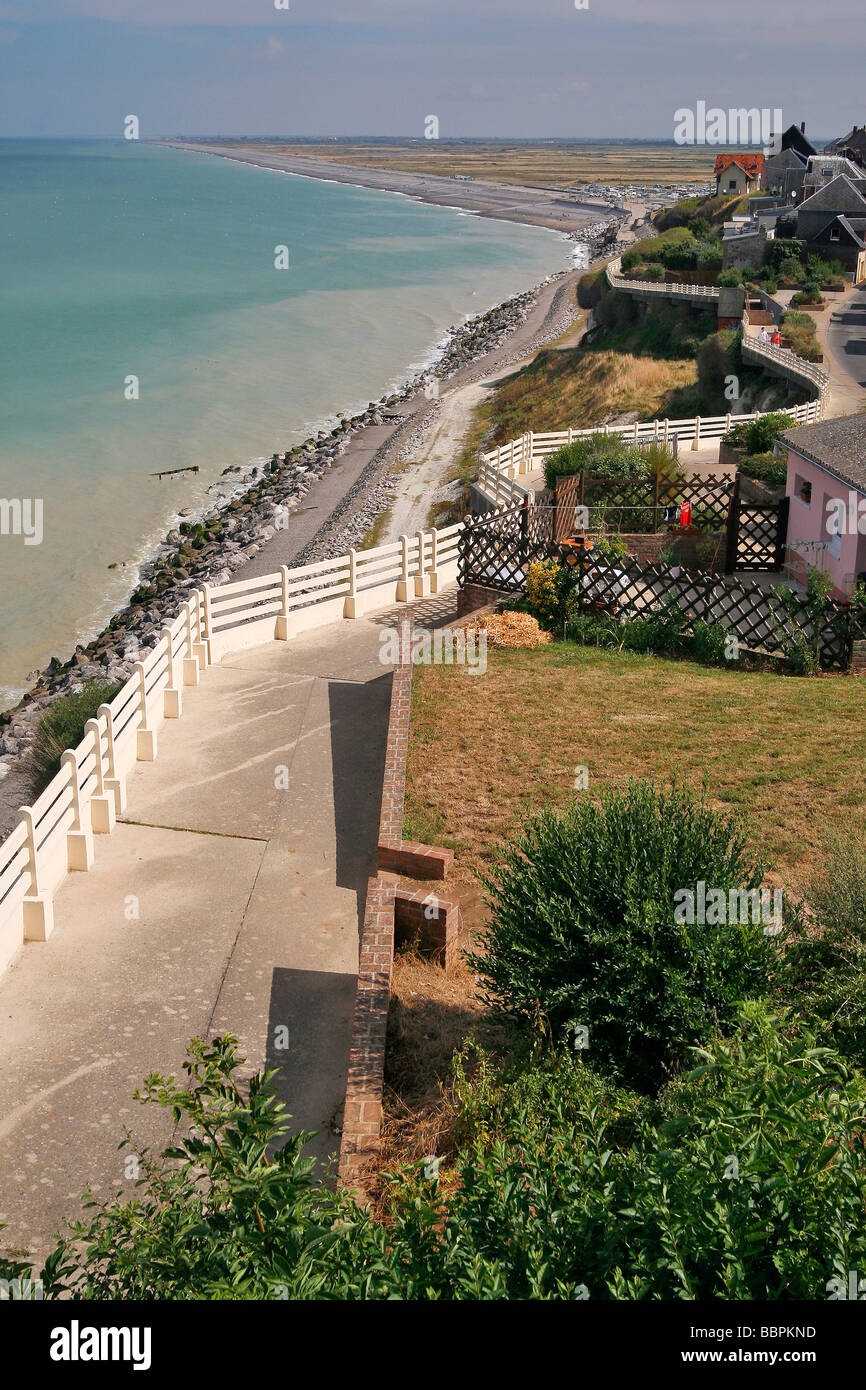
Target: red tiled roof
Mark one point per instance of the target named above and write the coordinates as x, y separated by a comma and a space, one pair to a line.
751, 164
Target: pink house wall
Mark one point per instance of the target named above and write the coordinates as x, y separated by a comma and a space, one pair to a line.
844, 556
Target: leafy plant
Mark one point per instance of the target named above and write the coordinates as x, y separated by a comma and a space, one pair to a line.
583, 927
62, 725
710, 643
541, 595
229, 1211
767, 467
748, 1186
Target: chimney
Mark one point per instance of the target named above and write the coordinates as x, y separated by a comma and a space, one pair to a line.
802, 127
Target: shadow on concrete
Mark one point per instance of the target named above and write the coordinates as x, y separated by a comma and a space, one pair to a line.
309, 1030
359, 733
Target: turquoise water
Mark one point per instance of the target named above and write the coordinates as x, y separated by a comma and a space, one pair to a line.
121, 260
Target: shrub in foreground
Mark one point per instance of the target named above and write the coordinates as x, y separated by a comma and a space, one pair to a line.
744, 1182
583, 927
748, 1185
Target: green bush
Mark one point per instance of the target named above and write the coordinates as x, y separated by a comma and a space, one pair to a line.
760, 435
748, 1186
709, 643
744, 1183
61, 726
599, 455
583, 929
809, 294
825, 967
768, 468
798, 334
653, 270
732, 276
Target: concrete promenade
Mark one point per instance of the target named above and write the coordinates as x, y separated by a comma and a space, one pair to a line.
228, 899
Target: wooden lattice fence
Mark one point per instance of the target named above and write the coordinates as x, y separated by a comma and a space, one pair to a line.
497, 549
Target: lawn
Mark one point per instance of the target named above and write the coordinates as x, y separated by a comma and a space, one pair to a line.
788, 752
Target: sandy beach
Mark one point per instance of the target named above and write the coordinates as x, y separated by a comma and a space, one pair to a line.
537, 207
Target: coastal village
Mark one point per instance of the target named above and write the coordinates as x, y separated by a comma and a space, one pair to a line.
440, 899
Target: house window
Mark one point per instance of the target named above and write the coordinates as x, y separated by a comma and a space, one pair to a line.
834, 233
803, 489
732, 185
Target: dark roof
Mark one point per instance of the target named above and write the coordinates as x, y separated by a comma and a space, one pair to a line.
794, 139
837, 445
839, 195
847, 227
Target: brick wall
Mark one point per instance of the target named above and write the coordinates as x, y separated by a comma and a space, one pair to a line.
473, 596
389, 907
362, 1112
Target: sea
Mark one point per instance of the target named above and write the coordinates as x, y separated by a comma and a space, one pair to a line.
163, 309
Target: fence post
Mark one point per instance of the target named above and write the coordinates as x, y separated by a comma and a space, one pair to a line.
422, 585
733, 528
350, 607
79, 837
403, 581
145, 737
103, 814
112, 785
202, 646
433, 574
656, 506
781, 532
531, 438
667, 423
37, 906
172, 696
281, 627
190, 660
524, 534
696, 442
464, 552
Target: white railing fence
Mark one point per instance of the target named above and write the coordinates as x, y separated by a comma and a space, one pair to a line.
55, 836
499, 469
784, 361
775, 359
671, 288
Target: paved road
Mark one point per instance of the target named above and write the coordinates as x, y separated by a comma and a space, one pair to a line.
847, 336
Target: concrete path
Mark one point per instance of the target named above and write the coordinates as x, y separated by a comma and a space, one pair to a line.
843, 338
230, 899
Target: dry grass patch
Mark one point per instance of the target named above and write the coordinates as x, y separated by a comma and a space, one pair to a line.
522, 161
589, 386
485, 750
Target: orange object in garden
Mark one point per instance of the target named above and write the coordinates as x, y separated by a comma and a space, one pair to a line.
686, 514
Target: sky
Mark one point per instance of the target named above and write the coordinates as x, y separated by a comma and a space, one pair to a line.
486, 68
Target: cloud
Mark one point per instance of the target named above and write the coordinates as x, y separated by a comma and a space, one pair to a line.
668, 14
